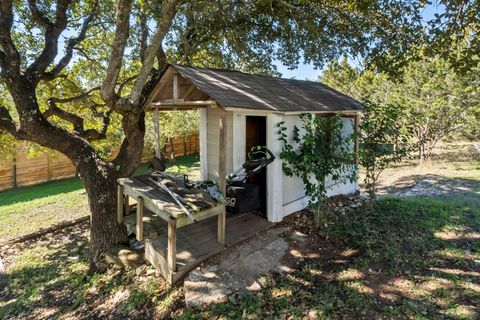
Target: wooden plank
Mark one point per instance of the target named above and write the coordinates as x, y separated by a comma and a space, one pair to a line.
175, 86
120, 202
158, 260
222, 163
187, 92
172, 245
126, 203
197, 242
161, 208
201, 215
157, 135
139, 227
178, 103
161, 84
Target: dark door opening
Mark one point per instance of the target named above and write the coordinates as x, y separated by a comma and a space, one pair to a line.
256, 135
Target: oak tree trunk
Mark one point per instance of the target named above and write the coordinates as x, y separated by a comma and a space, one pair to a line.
101, 186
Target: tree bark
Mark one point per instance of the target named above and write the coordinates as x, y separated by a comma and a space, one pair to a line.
100, 183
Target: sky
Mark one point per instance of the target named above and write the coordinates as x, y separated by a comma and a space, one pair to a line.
303, 72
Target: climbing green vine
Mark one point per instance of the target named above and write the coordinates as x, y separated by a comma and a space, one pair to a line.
319, 154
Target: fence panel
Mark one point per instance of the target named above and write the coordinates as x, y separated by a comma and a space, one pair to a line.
7, 175
31, 170
25, 171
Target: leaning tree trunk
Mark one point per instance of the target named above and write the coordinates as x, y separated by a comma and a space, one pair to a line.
100, 183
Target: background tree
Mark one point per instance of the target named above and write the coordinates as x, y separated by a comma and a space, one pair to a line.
385, 139
438, 100
114, 51
174, 124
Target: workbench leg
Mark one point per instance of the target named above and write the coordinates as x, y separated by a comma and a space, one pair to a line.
221, 227
120, 204
126, 205
172, 246
139, 231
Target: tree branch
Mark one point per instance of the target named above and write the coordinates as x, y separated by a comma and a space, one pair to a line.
2, 63
10, 52
7, 124
50, 49
77, 121
143, 30
122, 27
37, 15
65, 60
166, 18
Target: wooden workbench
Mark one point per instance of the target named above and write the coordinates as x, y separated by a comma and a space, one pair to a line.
161, 205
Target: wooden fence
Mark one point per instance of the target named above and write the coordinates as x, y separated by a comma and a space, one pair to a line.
24, 171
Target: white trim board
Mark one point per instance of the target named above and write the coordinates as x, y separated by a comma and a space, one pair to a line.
294, 206
203, 144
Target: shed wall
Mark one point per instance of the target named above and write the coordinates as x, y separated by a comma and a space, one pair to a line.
213, 130
293, 189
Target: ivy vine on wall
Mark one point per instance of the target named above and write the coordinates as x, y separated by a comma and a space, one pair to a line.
317, 153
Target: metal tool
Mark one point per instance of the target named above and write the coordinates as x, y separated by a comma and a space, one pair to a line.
258, 158
176, 198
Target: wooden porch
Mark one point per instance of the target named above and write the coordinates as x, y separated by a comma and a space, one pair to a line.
194, 242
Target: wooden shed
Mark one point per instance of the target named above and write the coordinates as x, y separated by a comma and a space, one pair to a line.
237, 111
249, 107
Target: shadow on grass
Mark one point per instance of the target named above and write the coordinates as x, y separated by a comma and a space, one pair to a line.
399, 258
45, 280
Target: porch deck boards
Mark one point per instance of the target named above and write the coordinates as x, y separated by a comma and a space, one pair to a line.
196, 242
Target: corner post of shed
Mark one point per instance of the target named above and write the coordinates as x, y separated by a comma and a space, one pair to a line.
222, 172
274, 171
157, 135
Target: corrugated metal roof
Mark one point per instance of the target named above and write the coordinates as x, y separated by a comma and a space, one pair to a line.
242, 90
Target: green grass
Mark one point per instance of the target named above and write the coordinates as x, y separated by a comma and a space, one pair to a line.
399, 258
50, 203
50, 279
407, 259
403, 266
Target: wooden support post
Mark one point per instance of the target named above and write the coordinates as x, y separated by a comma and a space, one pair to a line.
120, 204
172, 245
175, 86
222, 172
356, 124
139, 226
157, 135
126, 205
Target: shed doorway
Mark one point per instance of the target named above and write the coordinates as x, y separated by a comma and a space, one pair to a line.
256, 135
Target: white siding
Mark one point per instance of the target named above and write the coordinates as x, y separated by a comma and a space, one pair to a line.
293, 189
213, 133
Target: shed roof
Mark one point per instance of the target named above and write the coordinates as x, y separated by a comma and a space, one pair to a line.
249, 91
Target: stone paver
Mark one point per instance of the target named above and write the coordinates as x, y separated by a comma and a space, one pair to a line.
239, 272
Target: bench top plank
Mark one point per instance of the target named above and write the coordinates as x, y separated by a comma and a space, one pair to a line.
160, 202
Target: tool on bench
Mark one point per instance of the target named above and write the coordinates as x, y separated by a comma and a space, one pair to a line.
242, 195
176, 197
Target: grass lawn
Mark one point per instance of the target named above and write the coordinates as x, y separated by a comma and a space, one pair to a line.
28, 209
399, 258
